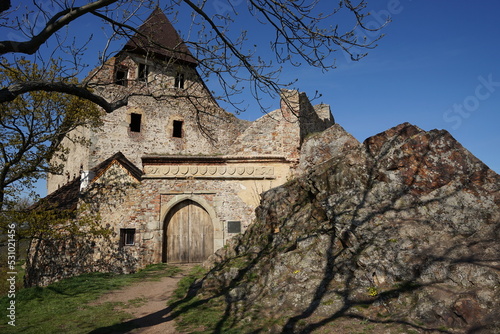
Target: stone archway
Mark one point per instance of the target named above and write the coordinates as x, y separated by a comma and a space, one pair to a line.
188, 233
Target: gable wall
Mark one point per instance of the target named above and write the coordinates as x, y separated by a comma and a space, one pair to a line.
282, 131
207, 129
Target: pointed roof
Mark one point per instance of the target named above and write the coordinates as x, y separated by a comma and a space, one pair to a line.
120, 158
66, 197
157, 35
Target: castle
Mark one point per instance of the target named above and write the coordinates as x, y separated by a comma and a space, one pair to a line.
172, 175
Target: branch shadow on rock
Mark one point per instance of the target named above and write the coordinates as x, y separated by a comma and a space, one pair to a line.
389, 235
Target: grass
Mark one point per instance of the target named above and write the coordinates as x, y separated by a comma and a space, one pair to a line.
63, 307
67, 307
195, 315
21, 259
184, 284
4, 284
200, 317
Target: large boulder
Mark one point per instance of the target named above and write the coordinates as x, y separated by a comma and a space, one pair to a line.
323, 146
400, 230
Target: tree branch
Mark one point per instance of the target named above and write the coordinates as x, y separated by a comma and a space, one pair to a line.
58, 21
12, 91
4, 5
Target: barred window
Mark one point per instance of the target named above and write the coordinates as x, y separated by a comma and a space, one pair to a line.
127, 237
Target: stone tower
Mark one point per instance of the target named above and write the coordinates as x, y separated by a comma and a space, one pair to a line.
171, 175
170, 110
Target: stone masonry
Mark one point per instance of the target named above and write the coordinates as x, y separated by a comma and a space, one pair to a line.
190, 173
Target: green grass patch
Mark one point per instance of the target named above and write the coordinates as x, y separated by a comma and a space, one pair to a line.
200, 316
137, 302
239, 262
186, 282
195, 314
4, 284
63, 307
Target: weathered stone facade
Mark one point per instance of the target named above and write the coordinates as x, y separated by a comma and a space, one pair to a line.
202, 170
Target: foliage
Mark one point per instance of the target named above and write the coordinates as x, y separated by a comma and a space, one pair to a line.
372, 291
64, 306
47, 221
32, 127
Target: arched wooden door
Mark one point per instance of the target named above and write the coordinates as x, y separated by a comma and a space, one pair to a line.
188, 234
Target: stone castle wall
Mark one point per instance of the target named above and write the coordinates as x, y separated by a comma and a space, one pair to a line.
215, 160
229, 192
228, 188
206, 128
282, 131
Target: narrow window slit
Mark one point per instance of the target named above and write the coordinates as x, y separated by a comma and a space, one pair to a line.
177, 132
135, 122
179, 80
142, 72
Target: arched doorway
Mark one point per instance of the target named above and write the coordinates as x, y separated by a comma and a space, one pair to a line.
188, 234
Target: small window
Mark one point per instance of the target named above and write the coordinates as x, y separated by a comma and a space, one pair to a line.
177, 132
121, 76
233, 227
135, 122
127, 237
179, 80
142, 72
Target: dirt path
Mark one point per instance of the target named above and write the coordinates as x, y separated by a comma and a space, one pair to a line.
147, 302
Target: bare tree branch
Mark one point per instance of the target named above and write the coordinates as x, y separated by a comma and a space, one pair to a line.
10, 92
58, 21
4, 5
302, 33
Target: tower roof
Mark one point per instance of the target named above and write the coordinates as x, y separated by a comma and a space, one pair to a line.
157, 35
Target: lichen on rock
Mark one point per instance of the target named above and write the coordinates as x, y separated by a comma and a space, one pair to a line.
404, 226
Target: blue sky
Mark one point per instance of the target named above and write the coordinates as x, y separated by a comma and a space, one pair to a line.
437, 67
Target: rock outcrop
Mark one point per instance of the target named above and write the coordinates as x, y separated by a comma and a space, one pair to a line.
402, 229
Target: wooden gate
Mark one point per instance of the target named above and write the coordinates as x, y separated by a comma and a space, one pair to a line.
188, 234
